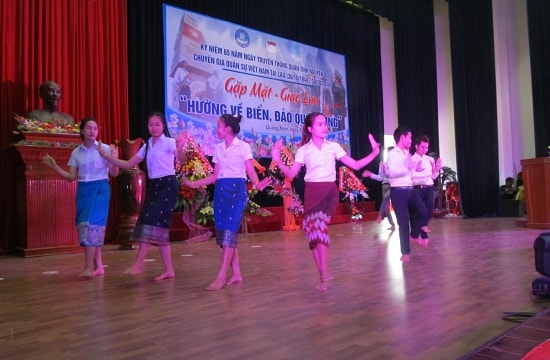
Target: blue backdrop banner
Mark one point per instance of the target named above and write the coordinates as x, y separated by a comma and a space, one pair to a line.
215, 67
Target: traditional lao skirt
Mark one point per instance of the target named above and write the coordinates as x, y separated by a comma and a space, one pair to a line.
92, 209
230, 199
155, 217
320, 202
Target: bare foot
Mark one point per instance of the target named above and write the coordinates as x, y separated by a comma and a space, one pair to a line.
97, 272
425, 229
234, 279
391, 228
87, 273
132, 271
215, 285
423, 242
378, 220
405, 258
322, 286
166, 275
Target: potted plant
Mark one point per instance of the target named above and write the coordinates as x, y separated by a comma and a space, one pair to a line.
446, 177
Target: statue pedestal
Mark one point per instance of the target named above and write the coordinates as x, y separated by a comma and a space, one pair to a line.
46, 209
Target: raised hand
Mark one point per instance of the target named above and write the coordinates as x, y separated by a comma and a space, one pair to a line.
114, 151
48, 160
182, 139
366, 173
101, 150
438, 164
265, 182
375, 145
276, 150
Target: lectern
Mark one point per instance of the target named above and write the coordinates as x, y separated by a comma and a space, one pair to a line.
46, 204
536, 180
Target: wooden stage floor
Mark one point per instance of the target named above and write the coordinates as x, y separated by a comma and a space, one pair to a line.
445, 303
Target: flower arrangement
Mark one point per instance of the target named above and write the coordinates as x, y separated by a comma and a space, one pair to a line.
32, 125
352, 188
278, 187
40, 133
252, 207
197, 167
296, 207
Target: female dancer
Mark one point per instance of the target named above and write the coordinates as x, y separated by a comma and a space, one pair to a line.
152, 226
232, 163
321, 194
93, 192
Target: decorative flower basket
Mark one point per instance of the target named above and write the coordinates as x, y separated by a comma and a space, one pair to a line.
56, 138
38, 133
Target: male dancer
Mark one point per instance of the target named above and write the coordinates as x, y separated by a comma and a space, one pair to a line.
423, 180
400, 166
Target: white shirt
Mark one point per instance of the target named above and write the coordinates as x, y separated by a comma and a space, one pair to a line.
398, 172
320, 163
231, 160
381, 176
424, 177
91, 166
160, 157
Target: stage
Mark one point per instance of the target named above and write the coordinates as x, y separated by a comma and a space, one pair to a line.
445, 303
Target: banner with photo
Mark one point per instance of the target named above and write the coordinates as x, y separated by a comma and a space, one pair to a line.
214, 67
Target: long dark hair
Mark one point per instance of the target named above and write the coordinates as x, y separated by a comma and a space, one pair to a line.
308, 122
233, 122
83, 123
166, 132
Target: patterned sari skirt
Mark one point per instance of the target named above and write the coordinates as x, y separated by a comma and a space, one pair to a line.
320, 202
155, 217
230, 199
92, 209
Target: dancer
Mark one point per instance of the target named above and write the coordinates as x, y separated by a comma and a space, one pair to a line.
382, 176
232, 163
423, 180
92, 195
152, 226
319, 155
400, 166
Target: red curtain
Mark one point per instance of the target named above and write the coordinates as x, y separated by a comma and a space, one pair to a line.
80, 44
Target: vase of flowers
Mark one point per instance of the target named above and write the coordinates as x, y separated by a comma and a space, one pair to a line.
353, 190
195, 205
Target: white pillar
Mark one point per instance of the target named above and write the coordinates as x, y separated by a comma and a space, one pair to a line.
513, 86
445, 103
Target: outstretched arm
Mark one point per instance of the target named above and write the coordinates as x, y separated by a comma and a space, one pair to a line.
125, 164
113, 169
68, 175
205, 181
290, 172
361, 163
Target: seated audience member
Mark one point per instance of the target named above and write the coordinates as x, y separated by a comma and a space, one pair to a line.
519, 181
507, 191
